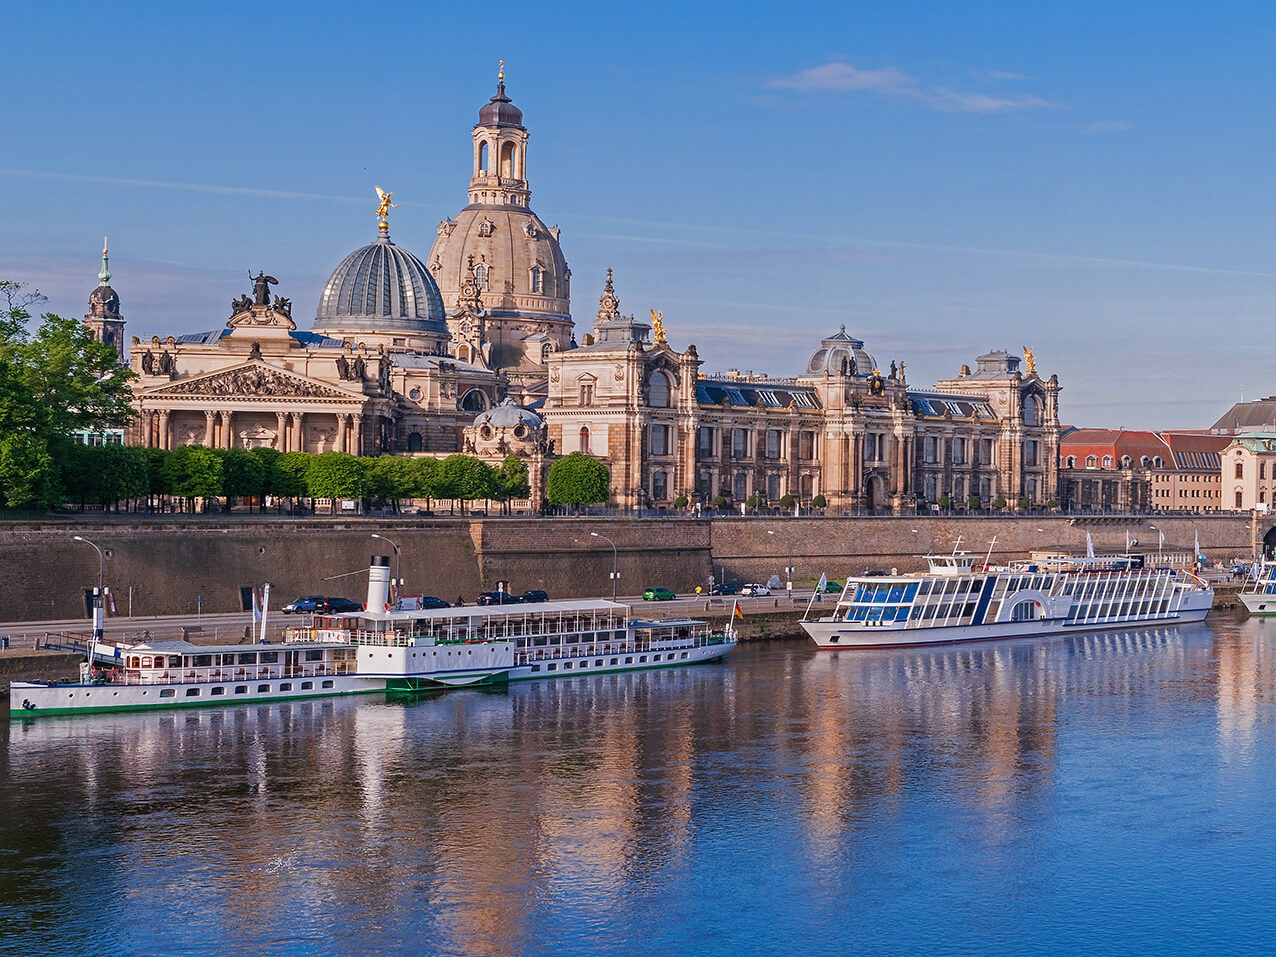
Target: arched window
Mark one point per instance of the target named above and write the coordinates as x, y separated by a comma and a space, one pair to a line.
1092, 461
537, 280
658, 390
509, 161
414, 442
1126, 461
584, 440
1071, 462
483, 157
480, 275
546, 350
474, 401
1031, 410
1156, 462
1144, 461
1107, 461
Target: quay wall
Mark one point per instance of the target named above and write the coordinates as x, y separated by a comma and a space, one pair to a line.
179, 568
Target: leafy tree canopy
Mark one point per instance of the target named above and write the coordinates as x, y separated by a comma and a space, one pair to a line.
577, 479
337, 475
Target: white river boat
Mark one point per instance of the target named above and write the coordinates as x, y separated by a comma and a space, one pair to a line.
963, 599
387, 651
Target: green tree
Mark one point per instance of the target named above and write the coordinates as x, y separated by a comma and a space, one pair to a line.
337, 475
243, 475
577, 479
52, 383
787, 501
156, 476
1051, 504
269, 459
973, 502
512, 481
126, 465
945, 502
426, 479
754, 501
1025, 503
465, 478
391, 478
719, 501
291, 471
192, 472
681, 502
819, 502
999, 502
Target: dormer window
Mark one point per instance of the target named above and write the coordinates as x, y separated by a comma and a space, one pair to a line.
1107, 461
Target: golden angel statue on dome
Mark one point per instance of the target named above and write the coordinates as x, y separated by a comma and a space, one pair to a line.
1030, 359
384, 207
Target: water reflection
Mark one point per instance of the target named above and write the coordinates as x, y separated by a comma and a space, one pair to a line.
591, 814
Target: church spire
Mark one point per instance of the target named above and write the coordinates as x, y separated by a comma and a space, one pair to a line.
500, 152
104, 276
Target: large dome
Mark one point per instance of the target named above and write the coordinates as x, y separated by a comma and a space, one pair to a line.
380, 288
517, 259
841, 354
508, 415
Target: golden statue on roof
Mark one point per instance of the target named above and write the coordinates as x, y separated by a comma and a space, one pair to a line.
658, 327
1031, 360
384, 207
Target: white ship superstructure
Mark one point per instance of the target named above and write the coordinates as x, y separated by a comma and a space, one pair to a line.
960, 599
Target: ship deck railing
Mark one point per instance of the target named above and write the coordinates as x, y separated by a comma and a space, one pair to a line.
231, 674
557, 652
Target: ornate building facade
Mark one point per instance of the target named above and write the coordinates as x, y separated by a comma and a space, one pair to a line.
843, 429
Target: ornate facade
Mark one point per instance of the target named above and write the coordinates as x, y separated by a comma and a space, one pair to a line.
843, 429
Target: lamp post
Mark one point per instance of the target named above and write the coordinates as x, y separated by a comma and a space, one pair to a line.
788, 569
615, 576
1160, 544
397, 581
100, 597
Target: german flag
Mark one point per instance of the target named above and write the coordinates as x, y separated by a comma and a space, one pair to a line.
738, 613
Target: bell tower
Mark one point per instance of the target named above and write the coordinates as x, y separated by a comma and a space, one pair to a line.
104, 319
500, 153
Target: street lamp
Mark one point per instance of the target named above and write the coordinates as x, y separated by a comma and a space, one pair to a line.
397, 581
98, 602
615, 576
1160, 543
788, 569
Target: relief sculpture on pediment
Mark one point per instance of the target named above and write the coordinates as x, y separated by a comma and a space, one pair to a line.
255, 380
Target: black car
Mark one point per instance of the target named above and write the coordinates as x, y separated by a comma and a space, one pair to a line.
725, 588
498, 598
534, 595
429, 601
341, 606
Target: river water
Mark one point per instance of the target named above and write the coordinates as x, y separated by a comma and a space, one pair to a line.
1110, 793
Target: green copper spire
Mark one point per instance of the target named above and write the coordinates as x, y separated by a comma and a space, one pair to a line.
105, 274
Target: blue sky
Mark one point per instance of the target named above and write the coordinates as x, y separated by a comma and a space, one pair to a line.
1089, 179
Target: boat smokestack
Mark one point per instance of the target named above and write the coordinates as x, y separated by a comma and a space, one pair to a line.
379, 583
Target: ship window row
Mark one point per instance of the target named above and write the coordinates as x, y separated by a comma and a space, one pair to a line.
872, 594
951, 586
1123, 608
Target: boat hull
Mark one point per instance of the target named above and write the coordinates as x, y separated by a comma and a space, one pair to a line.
836, 636
1260, 606
672, 656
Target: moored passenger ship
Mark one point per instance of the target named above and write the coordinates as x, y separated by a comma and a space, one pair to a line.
959, 599
405, 651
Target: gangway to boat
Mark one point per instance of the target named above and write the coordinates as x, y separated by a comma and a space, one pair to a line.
79, 645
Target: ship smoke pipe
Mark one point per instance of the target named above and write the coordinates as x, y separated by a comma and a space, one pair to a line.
378, 583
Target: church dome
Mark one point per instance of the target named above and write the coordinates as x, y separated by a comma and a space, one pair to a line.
381, 288
841, 354
517, 260
508, 415
104, 302
500, 110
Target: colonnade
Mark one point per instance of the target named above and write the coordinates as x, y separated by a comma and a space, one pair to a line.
290, 432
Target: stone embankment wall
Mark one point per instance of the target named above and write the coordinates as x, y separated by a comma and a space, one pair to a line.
35, 666
166, 568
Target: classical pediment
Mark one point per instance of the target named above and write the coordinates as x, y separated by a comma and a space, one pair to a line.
254, 380
262, 317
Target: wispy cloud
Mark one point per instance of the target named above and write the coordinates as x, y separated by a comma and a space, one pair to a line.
841, 77
194, 187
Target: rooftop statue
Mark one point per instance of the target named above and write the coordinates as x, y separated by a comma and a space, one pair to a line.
1030, 359
658, 326
261, 287
384, 206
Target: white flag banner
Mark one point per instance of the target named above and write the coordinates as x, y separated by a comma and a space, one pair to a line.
1089, 546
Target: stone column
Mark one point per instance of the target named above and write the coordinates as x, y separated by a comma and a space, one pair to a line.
297, 442
208, 429
340, 445
354, 435
164, 440
228, 429
281, 431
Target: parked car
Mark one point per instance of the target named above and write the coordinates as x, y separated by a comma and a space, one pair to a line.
832, 586
429, 601
498, 598
341, 606
534, 595
755, 590
658, 594
725, 588
305, 604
